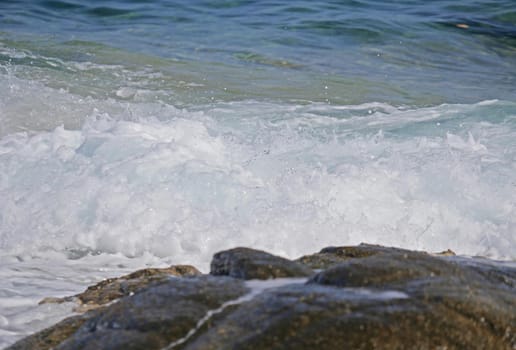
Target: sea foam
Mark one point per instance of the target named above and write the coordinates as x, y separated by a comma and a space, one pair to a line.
287, 178
97, 187
97, 181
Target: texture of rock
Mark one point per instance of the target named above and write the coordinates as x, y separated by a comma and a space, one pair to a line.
246, 263
364, 297
374, 297
388, 270
317, 317
376, 266
334, 255
154, 317
52, 336
111, 289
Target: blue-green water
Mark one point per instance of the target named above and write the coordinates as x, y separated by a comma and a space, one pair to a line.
159, 132
347, 52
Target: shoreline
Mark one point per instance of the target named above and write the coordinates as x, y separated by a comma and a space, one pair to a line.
417, 298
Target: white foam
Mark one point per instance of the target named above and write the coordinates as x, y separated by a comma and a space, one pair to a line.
254, 174
365, 293
25, 282
149, 184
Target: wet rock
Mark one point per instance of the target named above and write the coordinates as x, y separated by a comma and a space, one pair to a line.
52, 336
373, 297
246, 263
397, 267
150, 319
447, 252
321, 317
381, 298
334, 255
156, 316
369, 297
387, 270
111, 289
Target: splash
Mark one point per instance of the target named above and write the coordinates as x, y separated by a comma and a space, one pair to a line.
287, 178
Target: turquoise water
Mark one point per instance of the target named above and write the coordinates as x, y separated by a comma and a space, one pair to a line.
136, 133
409, 52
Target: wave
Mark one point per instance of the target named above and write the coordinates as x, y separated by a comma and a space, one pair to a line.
182, 184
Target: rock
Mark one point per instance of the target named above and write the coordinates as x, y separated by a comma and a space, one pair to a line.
111, 289
447, 252
52, 336
396, 267
246, 263
149, 319
320, 317
380, 299
334, 255
387, 270
55, 300
369, 297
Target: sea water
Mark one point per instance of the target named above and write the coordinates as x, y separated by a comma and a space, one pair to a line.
147, 133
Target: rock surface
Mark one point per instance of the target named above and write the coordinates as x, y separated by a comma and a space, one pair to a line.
363, 297
52, 336
334, 255
111, 289
246, 263
149, 319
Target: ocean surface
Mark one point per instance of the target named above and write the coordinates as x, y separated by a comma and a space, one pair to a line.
144, 133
